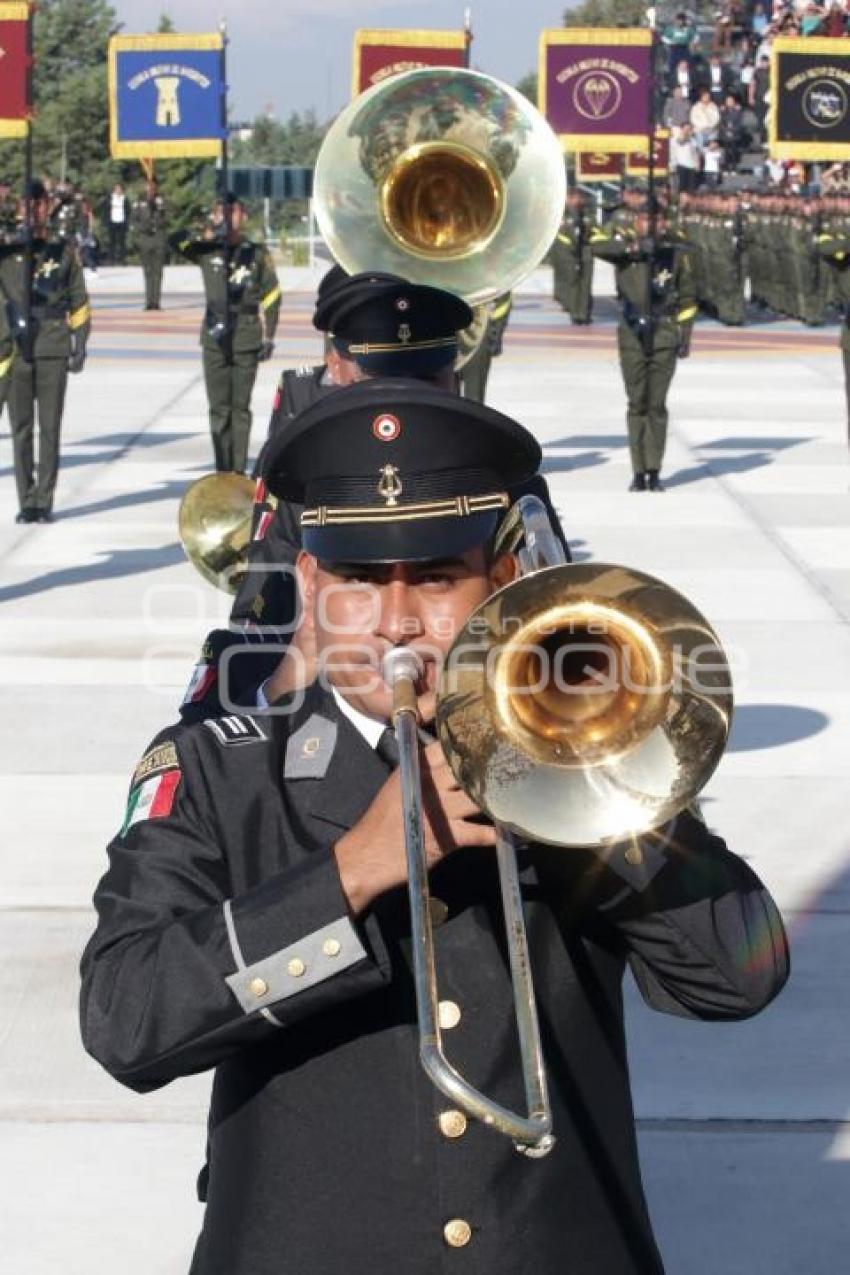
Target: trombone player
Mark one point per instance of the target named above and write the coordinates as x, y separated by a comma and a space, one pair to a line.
375, 324
253, 917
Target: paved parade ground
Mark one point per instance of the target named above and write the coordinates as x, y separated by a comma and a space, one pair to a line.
745, 1128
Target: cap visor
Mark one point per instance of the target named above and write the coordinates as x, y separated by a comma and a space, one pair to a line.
418, 540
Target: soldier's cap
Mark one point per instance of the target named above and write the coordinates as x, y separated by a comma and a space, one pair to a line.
329, 282
391, 470
391, 327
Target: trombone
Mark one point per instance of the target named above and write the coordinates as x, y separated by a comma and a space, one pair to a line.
579, 706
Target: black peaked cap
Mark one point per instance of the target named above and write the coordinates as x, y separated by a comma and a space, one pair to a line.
393, 470
390, 326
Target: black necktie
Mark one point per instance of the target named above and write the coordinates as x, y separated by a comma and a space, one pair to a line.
387, 748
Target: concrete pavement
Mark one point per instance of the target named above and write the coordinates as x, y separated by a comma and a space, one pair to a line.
745, 1128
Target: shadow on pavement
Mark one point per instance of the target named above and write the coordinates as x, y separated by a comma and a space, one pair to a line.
122, 562
149, 439
759, 726
127, 500
562, 464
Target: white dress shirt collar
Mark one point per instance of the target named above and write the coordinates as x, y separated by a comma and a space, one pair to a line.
368, 727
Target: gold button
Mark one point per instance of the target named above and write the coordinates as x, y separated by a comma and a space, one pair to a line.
438, 909
296, 968
331, 947
634, 855
457, 1233
258, 987
452, 1124
449, 1015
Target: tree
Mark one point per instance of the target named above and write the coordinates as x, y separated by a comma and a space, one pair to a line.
606, 13
632, 13
528, 87
272, 142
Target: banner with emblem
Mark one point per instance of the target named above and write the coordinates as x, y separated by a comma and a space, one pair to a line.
594, 87
166, 96
379, 54
598, 166
637, 164
809, 117
15, 65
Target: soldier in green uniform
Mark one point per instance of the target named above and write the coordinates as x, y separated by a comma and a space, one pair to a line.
833, 246
65, 214
655, 284
243, 301
8, 230
37, 355
475, 373
731, 304
572, 259
8, 211
148, 227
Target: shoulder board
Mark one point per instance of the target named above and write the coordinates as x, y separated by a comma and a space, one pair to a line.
234, 730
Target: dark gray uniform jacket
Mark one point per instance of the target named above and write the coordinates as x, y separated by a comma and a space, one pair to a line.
325, 1155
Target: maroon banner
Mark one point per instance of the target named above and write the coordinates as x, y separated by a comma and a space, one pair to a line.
594, 87
381, 54
599, 166
637, 165
14, 70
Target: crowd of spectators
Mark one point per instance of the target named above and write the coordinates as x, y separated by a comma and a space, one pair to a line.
717, 80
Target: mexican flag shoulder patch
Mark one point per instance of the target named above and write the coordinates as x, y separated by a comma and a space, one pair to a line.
152, 799
202, 680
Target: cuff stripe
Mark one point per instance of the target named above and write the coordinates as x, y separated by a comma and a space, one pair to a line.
239, 958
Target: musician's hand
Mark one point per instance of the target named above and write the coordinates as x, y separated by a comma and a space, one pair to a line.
266, 351
371, 856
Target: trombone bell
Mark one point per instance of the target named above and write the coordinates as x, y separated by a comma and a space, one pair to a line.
584, 704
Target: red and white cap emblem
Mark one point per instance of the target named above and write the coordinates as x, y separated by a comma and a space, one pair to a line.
386, 427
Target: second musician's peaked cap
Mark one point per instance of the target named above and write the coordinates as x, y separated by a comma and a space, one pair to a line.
383, 321
391, 470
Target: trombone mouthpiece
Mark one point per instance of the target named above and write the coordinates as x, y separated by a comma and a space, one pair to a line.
401, 664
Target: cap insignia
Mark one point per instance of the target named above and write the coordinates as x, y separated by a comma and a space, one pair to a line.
390, 486
404, 333
402, 304
386, 427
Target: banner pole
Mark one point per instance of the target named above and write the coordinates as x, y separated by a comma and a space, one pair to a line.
649, 332
28, 165
467, 31
224, 175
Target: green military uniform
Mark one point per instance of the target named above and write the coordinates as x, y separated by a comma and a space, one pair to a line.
833, 246
649, 337
243, 301
66, 216
34, 363
8, 230
476, 372
572, 263
810, 298
148, 227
